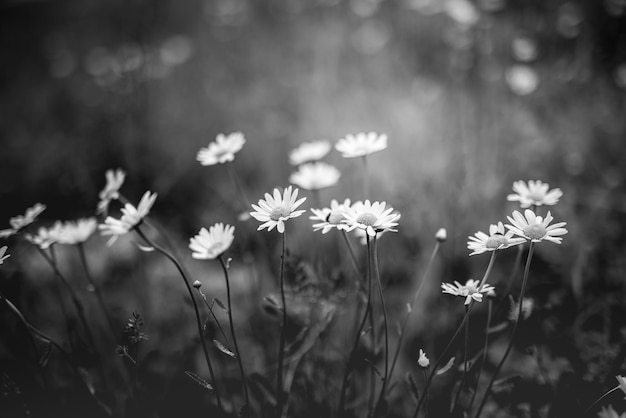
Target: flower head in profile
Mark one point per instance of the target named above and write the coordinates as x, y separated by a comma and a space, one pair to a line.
3, 257
609, 412
535, 193
131, 217
621, 380
422, 360
361, 144
22, 221
222, 150
210, 244
329, 218
315, 176
115, 180
45, 237
78, 231
309, 151
470, 290
275, 209
371, 217
498, 239
535, 228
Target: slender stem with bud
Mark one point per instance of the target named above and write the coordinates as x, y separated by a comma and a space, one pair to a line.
383, 389
280, 396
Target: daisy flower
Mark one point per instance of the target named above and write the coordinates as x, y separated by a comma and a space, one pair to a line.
131, 217
422, 360
276, 209
78, 231
315, 176
469, 290
22, 221
609, 412
329, 218
222, 150
497, 239
536, 193
309, 151
371, 217
3, 257
45, 237
361, 144
111, 191
535, 228
210, 244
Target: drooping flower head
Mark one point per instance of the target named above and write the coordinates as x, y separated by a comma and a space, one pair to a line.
361, 144
309, 151
470, 290
535, 228
422, 360
131, 217
535, 193
3, 257
111, 191
371, 217
78, 231
329, 218
275, 209
210, 244
497, 239
222, 150
22, 221
315, 176
45, 237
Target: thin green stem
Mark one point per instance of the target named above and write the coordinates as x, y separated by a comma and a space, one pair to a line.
232, 330
233, 177
407, 315
600, 399
366, 180
484, 356
425, 395
465, 347
280, 396
383, 389
357, 337
217, 322
195, 308
355, 264
517, 321
489, 267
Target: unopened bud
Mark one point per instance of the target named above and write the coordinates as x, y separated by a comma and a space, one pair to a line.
422, 360
197, 284
441, 235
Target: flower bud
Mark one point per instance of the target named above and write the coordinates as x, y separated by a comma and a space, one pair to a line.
197, 284
441, 235
422, 360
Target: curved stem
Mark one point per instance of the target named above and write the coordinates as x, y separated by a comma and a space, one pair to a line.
489, 267
280, 396
600, 399
195, 308
232, 330
465, 345
357, 337
518, 320
441, 357
217, 322
484, 356
355, 264
407, 315
383, 389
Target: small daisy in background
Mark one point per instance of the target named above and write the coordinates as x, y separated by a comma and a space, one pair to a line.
131, 217
208, 245
78, 231
498, 239
274, 210
470, 290
114, 181
422, 360
45, 237
527, 308
361, 144
22, 221
536, 228
3, 257
309, 151
535, 193
222, 150
329, 218
371, 217
315, 176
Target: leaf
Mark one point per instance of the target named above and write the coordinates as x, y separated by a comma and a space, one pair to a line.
87, 379
220, 304
199, 380
408, 308
147, 249
447, 367
45, 357
497, 328
224, 349
413, 386
373, 366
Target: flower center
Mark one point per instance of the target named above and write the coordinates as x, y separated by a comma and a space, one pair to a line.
536, 196
368, 219
495, 241
334, 218
279, 212
535, 232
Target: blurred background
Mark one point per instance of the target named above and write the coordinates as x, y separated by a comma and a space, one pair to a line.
473, 96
